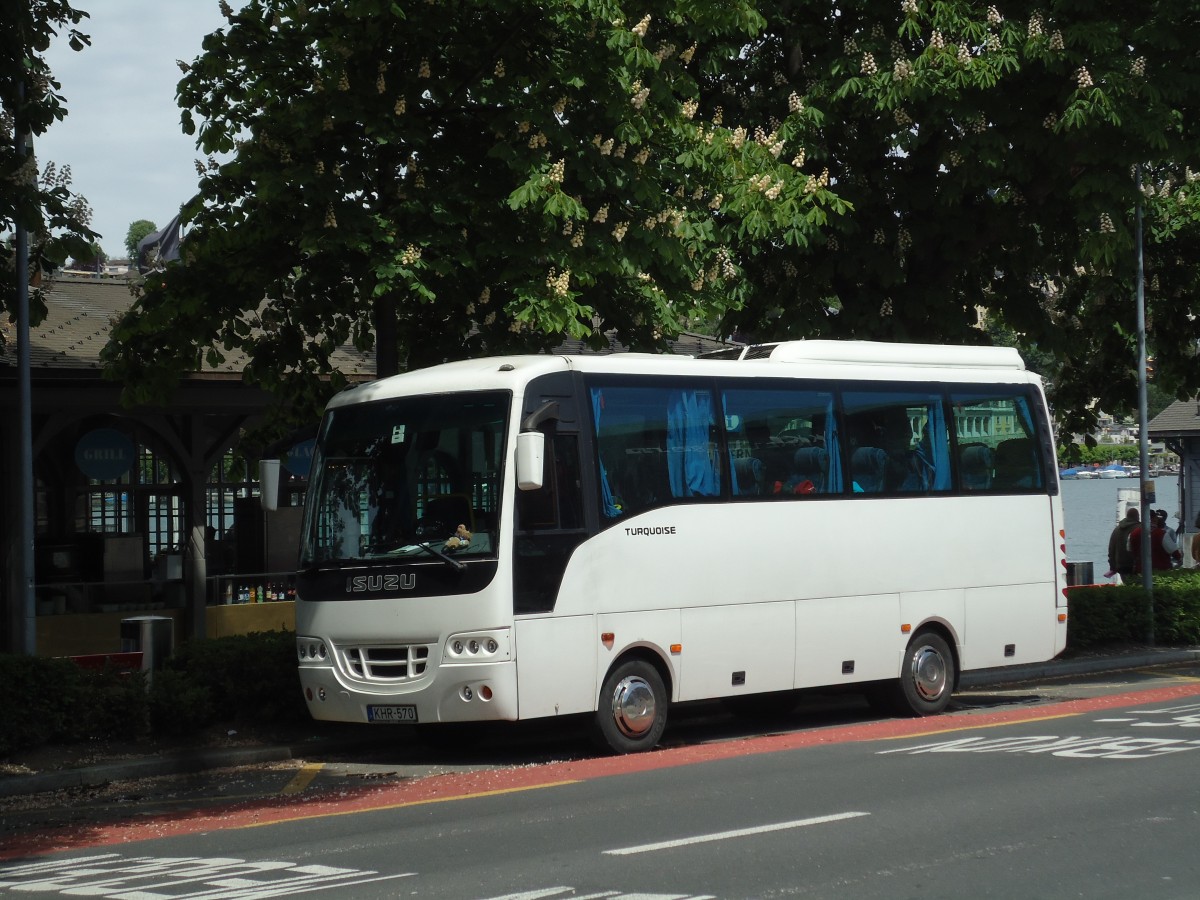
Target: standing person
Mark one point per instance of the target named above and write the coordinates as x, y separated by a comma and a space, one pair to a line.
1120, 555
1196, 543
1169, 541
1164, 550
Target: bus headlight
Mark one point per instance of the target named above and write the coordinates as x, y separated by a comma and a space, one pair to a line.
310, 649
485, 646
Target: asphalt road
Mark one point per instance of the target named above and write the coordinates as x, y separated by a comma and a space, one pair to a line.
1078, 787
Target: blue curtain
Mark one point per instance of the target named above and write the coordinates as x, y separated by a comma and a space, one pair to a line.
939, 446
611, 510
690, 467
832, 445
1021, 405
733, 478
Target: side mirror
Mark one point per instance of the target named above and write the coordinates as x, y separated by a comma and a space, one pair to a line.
531, 452
268, 483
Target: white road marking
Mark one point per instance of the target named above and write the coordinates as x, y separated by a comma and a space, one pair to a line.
568, 893
113, 877
726, 835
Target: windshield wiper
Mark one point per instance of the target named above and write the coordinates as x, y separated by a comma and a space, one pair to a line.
445, 557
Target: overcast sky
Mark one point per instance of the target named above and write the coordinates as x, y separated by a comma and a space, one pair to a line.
122, 139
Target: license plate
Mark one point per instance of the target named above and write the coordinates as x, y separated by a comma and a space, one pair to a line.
391, 714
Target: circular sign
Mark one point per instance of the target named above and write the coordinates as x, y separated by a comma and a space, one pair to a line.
104, 453
299, 458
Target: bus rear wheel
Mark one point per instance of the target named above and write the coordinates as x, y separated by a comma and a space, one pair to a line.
926, 681
632, 711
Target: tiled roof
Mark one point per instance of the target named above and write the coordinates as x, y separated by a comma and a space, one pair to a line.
79, 316
80, 312
1181, 418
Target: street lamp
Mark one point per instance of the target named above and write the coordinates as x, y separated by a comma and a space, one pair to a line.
1143, 423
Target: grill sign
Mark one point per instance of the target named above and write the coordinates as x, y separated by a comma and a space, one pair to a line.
364, 583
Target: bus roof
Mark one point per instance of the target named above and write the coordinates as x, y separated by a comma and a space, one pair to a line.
813, 359
877, 353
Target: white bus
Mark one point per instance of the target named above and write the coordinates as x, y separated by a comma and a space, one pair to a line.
534, 536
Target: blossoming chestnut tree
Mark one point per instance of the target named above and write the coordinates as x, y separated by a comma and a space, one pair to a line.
988, 151
433, 180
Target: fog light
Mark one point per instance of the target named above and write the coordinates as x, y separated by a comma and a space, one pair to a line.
321, 693
473, 646
492, 645
458, 647
467, 693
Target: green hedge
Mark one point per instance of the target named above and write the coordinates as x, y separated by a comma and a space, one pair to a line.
53, 700
244, 679
1120, 614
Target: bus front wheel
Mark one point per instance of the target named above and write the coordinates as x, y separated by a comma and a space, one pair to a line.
926, 680
928, 677
632, 711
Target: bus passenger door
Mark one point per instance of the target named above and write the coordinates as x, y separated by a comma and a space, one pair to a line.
556, 656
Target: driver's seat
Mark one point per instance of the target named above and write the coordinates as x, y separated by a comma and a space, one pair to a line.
451, 510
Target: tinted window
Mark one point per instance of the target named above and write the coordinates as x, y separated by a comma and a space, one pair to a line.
655, 445
782, 442
898, 442
997, 441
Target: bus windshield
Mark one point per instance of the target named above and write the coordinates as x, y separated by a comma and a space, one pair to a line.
408, 477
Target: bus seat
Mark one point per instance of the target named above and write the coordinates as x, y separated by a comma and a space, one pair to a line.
811, 464
750, 475
868, 468
975, 466
1016, 465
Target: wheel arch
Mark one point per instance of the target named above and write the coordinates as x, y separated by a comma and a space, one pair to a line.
648, 654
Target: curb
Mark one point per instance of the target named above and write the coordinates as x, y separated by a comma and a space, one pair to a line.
199, 761
1062, 668
206, 760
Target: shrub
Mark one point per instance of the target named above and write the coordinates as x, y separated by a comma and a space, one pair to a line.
56, 701
248, 677
179, 704
1107, 615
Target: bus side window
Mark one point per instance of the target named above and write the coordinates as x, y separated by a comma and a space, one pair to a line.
997, 441
785, 444
557, 504
900, 442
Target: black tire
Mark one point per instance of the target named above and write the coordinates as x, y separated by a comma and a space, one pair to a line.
632, 711
926, 680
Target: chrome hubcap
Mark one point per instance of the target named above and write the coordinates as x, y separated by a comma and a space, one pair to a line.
633, 707
928, 673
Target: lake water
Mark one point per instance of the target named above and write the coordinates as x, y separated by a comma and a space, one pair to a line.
1090, 509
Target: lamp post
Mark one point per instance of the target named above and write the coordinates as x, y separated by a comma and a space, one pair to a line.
25, 636
1143, 423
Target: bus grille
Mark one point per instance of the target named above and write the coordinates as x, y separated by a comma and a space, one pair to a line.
387, 663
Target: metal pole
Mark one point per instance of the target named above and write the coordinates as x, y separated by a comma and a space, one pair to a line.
1143, 422
26, 637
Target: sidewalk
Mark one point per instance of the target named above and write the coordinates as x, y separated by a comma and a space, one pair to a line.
187, 761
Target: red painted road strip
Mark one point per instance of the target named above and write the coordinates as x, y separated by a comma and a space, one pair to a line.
442, 788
